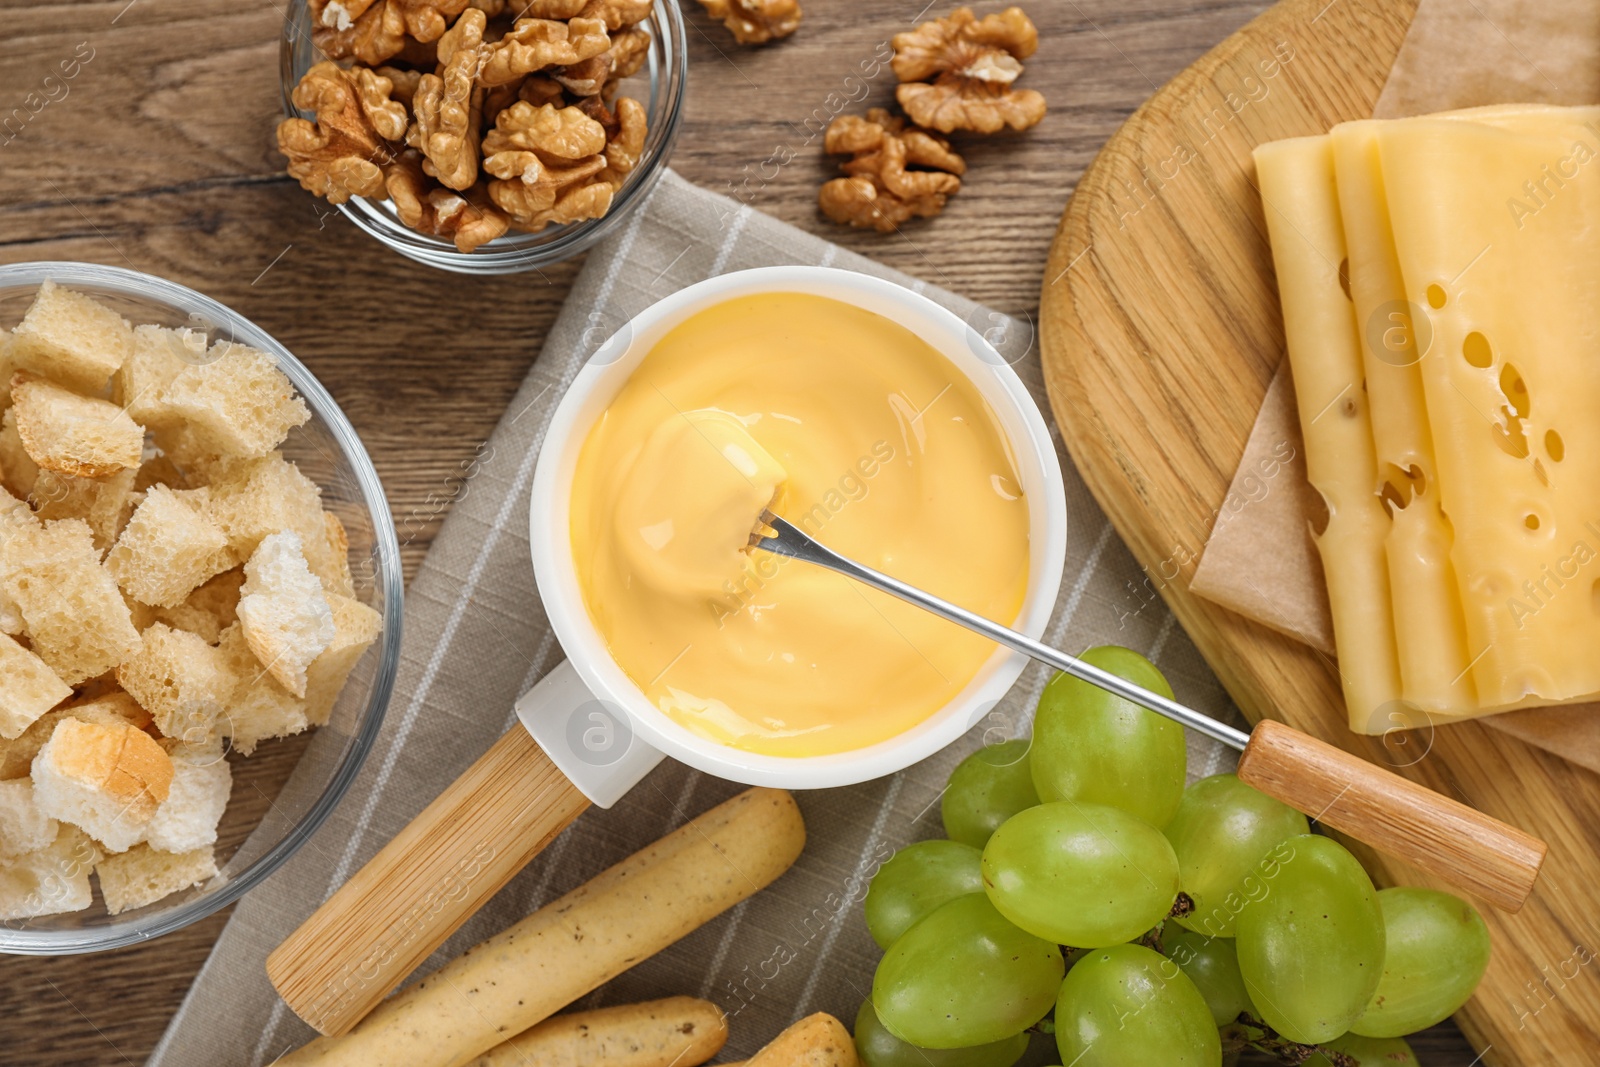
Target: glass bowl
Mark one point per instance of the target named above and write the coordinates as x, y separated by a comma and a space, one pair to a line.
259, 830
659, 85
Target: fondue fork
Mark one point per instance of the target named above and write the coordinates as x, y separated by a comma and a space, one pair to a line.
1395, 815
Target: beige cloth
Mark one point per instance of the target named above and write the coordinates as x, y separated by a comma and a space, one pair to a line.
476, 638
1457, 53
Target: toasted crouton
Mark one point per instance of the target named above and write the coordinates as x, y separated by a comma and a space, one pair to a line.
23, 827
72, 434
259, 707
28, 688
237, 402
356, 627
338, 578
105, 780
179, 679
104, 503
254, 498
50, 881
282, 610
201, 782
16, 756
75, 617
170, 546
16, 467
143, 876
209, 610
157, 356
70, 338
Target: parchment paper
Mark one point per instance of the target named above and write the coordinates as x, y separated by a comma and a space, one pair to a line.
1457, 53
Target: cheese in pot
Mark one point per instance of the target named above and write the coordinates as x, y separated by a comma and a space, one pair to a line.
860, 433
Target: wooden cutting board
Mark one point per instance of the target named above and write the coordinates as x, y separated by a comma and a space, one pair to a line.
1160, 331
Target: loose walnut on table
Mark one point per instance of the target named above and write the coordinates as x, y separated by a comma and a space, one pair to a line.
882, 189
756, 21
957, 72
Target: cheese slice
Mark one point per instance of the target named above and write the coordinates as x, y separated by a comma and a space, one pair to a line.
1495, 220
1296, 178
1430, 631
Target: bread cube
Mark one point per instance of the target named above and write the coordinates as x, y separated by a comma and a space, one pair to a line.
72, 434
170, 546
16, 467
28, 688
50, 881
254, 498
179, 679
338, 578
110, 709
209, 610
70, 338
23, 827
105, 780
237, 402
160, 470
356, 627
158, 355
74, 615
14, 514
104, 503
259, 707
143, 876
201, 783
282, 610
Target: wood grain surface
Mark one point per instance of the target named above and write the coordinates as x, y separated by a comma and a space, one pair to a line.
1161, 331
159, 156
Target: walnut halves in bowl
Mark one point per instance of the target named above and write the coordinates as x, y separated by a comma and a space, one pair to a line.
450, 110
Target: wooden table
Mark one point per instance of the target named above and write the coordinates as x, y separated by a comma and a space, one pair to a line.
159, 155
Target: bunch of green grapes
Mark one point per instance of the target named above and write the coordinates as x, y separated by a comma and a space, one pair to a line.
1160, 925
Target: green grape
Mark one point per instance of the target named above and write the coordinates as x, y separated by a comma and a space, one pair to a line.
964, 976
916, 880
1126, 1005
1438, 949
1080, 874
1368, 1051
986, 789
1311, 945
1213, 967
879, 1048
1090, 745
1221, 831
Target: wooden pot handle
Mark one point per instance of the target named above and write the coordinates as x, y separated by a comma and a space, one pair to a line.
1394, 815
411, 896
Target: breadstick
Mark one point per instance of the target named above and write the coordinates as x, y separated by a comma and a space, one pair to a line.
675, 1032
529, 971
818, 1040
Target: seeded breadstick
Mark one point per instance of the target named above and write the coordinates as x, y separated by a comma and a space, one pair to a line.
525, 974
675, 1032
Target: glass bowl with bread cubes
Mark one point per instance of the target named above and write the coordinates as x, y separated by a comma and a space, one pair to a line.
199, 606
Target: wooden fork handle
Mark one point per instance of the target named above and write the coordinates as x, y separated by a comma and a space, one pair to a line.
1470, 850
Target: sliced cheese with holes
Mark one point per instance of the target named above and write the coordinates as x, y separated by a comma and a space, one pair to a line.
1496, 228
1430, 632
1302, 210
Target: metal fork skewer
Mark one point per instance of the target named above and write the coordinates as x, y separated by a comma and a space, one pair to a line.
789, 540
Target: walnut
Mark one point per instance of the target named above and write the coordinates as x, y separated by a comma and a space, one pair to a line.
404, 83
534, 44
756, 21
380, 32
448, 106
617, 14
557, 165
628, 51
957, 72
467, 218
881, 189
624, 144
339, 155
